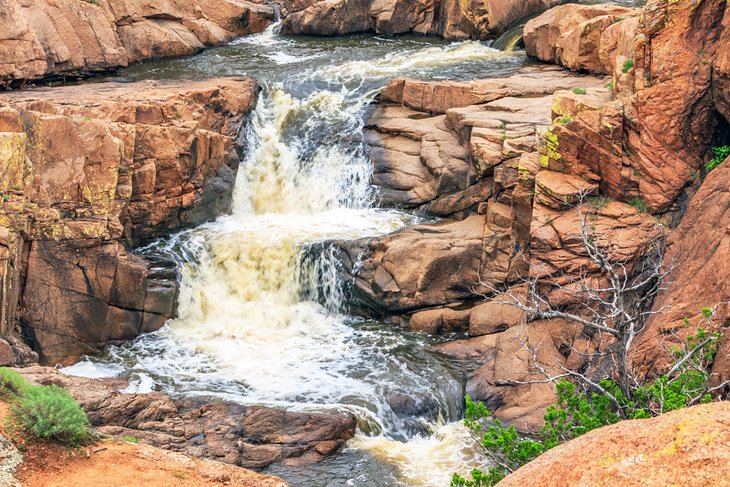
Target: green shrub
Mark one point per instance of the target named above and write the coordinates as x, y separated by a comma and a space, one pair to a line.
720, 154
628, 65
579, 91
565, 120
576, 413
130, 439
44, 411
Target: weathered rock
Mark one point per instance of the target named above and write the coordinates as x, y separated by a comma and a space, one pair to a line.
428, 265
15, 353
442, 164
42, 38
687, 447
495, 316
581, 37
441, 320
699, 277
450, 19
559, 254
662, 66
79, 295
247, 436
89, 173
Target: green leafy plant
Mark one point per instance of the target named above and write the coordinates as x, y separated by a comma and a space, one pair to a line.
44, 411
627, 66
720, 154
639, 204
578, 412
579, 91
130, 439
565, 120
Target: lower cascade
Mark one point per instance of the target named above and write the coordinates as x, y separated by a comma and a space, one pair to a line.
262, 318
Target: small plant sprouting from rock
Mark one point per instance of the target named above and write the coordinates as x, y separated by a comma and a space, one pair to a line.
130, 439
639, 204
627, 66
720, 154
565, 120
598, 201
579, 91
44, 411
578, 412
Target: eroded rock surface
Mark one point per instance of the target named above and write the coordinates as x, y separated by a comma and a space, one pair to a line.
91, 174
42, 38
451, 19
246, 436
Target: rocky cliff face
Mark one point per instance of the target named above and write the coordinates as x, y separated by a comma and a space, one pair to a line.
450, 19
91, 174
505, 161
42, 38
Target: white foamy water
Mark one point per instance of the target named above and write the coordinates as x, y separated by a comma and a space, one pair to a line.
246, 329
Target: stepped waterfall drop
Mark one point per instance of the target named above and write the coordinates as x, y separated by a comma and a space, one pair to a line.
262, 318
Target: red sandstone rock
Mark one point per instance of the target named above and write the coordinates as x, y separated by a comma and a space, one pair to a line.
86, 172
685, 447
247, 436
581, 37
451, 19
40, 38
697, 254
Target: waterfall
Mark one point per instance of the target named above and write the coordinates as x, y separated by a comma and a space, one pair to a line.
260, 317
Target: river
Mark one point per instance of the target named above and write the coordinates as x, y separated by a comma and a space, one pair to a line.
261, 318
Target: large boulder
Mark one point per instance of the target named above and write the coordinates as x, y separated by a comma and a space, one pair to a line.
685, 447
450, 19
42, 38
247, 436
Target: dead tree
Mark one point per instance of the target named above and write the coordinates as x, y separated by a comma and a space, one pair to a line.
611, 296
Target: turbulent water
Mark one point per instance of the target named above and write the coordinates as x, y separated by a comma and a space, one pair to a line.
249, 328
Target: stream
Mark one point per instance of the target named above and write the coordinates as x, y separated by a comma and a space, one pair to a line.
262, 321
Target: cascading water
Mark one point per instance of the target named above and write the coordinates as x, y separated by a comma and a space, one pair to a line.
249, 329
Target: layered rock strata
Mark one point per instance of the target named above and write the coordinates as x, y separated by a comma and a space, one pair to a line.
90, 175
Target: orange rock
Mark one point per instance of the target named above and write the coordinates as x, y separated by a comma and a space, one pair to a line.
41, 38
450, 19
685, 447
580, 37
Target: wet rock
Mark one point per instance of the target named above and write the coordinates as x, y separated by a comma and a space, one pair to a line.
15, 353
247, 436
428, 265
71, 38
91, 174
73, 284
423, 406
688, 447
450, 19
